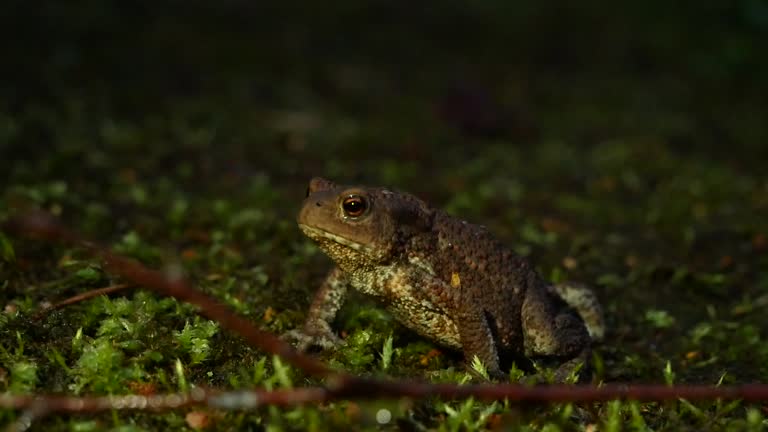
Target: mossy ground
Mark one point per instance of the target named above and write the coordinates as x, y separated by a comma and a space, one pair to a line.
624, 147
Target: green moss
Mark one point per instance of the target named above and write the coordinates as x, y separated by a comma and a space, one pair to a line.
23, 378
195, 339
101, 369
7, 253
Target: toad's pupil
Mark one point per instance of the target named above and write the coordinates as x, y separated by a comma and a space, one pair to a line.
354, 206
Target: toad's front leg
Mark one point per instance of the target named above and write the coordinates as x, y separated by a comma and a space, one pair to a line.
317, 329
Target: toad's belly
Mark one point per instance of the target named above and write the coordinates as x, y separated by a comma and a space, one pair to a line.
402, 291
424, 320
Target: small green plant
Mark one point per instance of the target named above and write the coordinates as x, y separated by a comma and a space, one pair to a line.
515, 373
7, 253
479, 367
101, 368
669, 375
659, 318
613, 419
386, 353
181, 376
23, 377
469, 416
194, 339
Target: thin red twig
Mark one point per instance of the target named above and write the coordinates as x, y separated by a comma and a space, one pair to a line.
362, 388
82, 297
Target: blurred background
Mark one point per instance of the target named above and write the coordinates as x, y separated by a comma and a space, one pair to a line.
367, 79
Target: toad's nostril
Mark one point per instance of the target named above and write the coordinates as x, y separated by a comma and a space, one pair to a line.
318, 204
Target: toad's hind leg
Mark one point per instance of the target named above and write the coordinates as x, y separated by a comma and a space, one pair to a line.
584, 301
553, 330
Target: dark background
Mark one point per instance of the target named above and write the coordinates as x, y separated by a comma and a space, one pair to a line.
690, 74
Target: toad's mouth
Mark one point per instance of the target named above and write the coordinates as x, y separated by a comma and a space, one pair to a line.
320, 234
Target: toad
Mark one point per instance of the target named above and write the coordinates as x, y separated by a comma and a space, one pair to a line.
446, 279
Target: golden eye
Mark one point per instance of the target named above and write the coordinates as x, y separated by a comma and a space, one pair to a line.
354, 206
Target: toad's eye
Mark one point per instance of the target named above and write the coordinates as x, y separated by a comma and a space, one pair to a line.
354, 206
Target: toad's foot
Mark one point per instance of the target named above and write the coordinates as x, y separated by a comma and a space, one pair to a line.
573, 371
318, 335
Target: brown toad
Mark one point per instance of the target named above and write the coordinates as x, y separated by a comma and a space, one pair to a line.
446, 279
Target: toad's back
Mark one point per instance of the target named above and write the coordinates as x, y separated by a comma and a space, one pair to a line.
479, 268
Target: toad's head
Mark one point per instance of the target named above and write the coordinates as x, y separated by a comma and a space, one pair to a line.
361, 226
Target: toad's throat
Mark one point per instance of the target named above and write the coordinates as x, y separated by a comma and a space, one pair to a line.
320, 234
